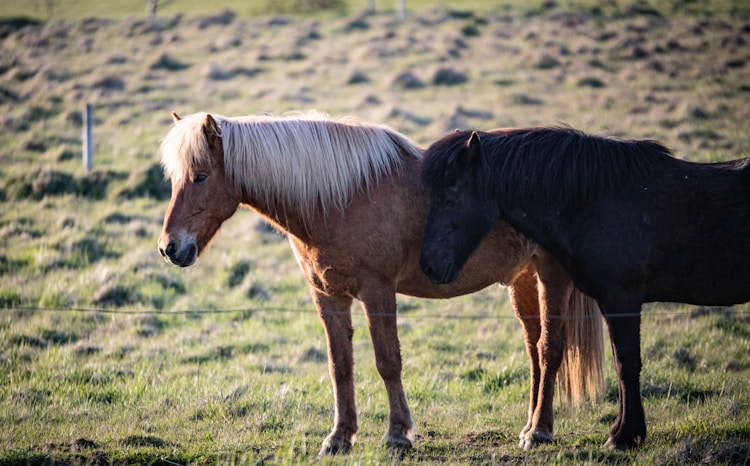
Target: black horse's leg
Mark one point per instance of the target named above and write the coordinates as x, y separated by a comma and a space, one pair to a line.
379, 302
629, 430
335, 313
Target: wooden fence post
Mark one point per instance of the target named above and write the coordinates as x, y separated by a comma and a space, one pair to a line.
88, 143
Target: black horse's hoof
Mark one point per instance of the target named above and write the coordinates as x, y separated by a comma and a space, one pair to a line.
613, 444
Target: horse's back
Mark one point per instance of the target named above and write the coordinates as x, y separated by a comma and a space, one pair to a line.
701, 220
681, 236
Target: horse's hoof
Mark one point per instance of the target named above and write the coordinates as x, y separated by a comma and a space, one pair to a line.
399, 443
524, 432
613, 444
534, 439
333, 446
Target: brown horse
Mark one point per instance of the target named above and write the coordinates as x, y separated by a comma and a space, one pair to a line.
347, 195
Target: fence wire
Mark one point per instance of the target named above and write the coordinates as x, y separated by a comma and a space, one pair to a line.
651, 311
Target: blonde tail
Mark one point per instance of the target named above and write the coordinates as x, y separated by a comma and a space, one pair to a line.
581, 370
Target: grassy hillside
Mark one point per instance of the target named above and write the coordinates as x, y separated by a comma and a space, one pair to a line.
109, 355
51, 9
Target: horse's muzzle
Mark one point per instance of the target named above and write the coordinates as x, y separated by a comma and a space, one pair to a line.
445, 275
183, 258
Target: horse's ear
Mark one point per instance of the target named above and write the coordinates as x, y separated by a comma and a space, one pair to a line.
210, 127
176, 117
473, 149
211, 131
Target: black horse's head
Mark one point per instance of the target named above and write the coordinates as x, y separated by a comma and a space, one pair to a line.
460, 215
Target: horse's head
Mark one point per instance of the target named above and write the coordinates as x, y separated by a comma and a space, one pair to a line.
193, 159
459, 215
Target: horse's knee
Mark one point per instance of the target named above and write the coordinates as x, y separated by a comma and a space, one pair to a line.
388, 365
550, 350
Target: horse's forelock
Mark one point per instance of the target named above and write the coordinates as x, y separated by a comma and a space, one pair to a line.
184, 147
440, 159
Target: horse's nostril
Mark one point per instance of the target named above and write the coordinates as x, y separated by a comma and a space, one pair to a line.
161, 251
193, 251
170, 249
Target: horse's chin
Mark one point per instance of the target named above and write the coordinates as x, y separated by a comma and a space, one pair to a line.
183, 264
439, 281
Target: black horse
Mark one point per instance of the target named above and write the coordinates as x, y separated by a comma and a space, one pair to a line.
628, 221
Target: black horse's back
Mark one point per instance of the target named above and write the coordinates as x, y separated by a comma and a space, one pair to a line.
744, 166
568, 165
706, 230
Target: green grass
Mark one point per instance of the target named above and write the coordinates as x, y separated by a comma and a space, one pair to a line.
109, 355
192, 389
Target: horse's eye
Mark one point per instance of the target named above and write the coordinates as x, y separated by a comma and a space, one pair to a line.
200, 178
448, 199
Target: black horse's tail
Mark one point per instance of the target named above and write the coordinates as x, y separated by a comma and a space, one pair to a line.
581, 371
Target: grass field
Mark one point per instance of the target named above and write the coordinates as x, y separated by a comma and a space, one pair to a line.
110, 356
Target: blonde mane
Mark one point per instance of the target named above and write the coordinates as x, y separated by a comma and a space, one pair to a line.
305, 161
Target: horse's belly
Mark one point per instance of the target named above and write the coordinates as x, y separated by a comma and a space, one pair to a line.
700, 289
424, 289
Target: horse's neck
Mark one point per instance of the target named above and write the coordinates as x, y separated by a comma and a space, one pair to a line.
310, 228
284, 219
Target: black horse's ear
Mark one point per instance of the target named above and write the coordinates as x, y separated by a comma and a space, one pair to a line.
176, 117
473, 149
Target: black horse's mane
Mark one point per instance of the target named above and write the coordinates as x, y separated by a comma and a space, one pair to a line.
548, 163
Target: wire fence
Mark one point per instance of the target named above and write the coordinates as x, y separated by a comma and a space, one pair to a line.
651, 311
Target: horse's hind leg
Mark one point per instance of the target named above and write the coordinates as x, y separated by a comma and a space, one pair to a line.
554, 287
525, 301
380, 309
335, 313
630, 427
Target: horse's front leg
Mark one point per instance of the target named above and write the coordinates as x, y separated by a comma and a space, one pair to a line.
525, 301
335, 313
554, 289
629, 430
380, 309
